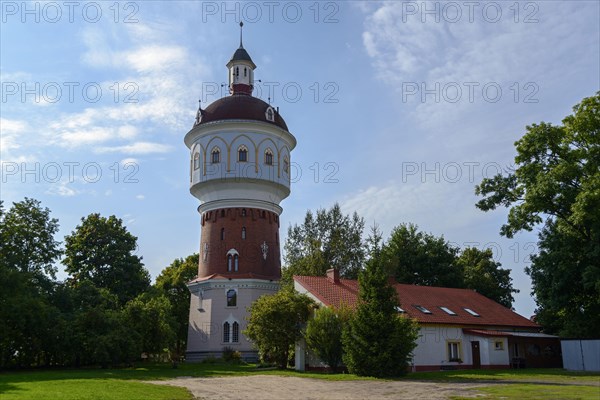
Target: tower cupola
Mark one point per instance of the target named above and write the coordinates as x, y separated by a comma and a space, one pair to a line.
241, 70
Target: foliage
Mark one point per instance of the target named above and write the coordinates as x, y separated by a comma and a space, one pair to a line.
27, 253
484, 275
151, 316
324, 335
101, 251
326, 240
556, 181
377, 340
420, 258
172, 282
275, 322
231, 355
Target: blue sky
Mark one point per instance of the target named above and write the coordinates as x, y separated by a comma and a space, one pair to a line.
399, 108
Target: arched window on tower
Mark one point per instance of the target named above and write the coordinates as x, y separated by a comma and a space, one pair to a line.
243, 212
215, 155
243, 154
226, 332
196, 160
269, 156
237, 71
286, 165
244, 233
233, 260
235, 334
222, 233
270, 114
245, 71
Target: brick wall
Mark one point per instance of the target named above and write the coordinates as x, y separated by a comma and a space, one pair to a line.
222, 231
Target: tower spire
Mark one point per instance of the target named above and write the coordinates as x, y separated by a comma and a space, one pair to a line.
241, 29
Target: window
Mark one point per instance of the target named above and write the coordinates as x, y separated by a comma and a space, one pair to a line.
269, 157
473, 313
245, 71
226, 332
454, 351
243, 212
244, 233
398, 309
215, 156
447, 310
232, 260
196, 160
269, 114
235, 334
231, 298
229, 261
222, 213
422, 309
222, 233
243, 154
499, 345
286, 165
236, 262
237, 71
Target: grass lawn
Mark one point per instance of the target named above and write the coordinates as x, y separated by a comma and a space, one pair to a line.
127, 383
526, 391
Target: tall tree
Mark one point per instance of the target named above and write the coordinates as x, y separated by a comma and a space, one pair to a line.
101, 251
27, 255
326, 240
421, 259
378, 341
483, 274
275, 324
556, 181
172, 282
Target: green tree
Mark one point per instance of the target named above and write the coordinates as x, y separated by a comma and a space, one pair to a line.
172, 282
275, 324
326, 240
420, 258
101, 251
483, 274
150, 315
324, 335
377, 340
27, 255
556, 181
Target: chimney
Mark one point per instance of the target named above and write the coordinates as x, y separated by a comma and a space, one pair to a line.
333, 275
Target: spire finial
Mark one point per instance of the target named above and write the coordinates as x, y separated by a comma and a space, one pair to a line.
241, 28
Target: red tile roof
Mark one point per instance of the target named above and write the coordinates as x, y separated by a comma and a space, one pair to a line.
345, 291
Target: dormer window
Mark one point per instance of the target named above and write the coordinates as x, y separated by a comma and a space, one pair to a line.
447, 310
215, 155
243, 154
269, 157
270, 114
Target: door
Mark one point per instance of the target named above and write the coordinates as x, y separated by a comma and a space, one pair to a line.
475, 354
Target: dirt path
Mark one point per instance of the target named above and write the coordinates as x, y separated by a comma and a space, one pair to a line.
268, 387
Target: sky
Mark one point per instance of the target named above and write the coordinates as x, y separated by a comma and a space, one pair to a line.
399, 108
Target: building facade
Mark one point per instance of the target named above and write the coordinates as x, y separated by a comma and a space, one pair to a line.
240, 157
458, 328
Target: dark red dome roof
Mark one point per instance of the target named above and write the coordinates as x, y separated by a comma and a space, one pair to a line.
240, 106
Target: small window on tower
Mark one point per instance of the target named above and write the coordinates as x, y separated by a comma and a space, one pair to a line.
236, 263
226, 332
286, 165
244, 233
215, 156
237, 71
229, 262
270, 114
196, 160
269, 157
243, 212
245, 72
243, 154
231, 298
235, 334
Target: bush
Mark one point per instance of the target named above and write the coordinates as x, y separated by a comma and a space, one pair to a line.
231, 356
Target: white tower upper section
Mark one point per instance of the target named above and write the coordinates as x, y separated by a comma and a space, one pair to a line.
240, 147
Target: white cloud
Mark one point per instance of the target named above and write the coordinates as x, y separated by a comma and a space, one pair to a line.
129, 160
140, 197
137, 148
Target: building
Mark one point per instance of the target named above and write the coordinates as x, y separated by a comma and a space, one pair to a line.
459, 328
240, 154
